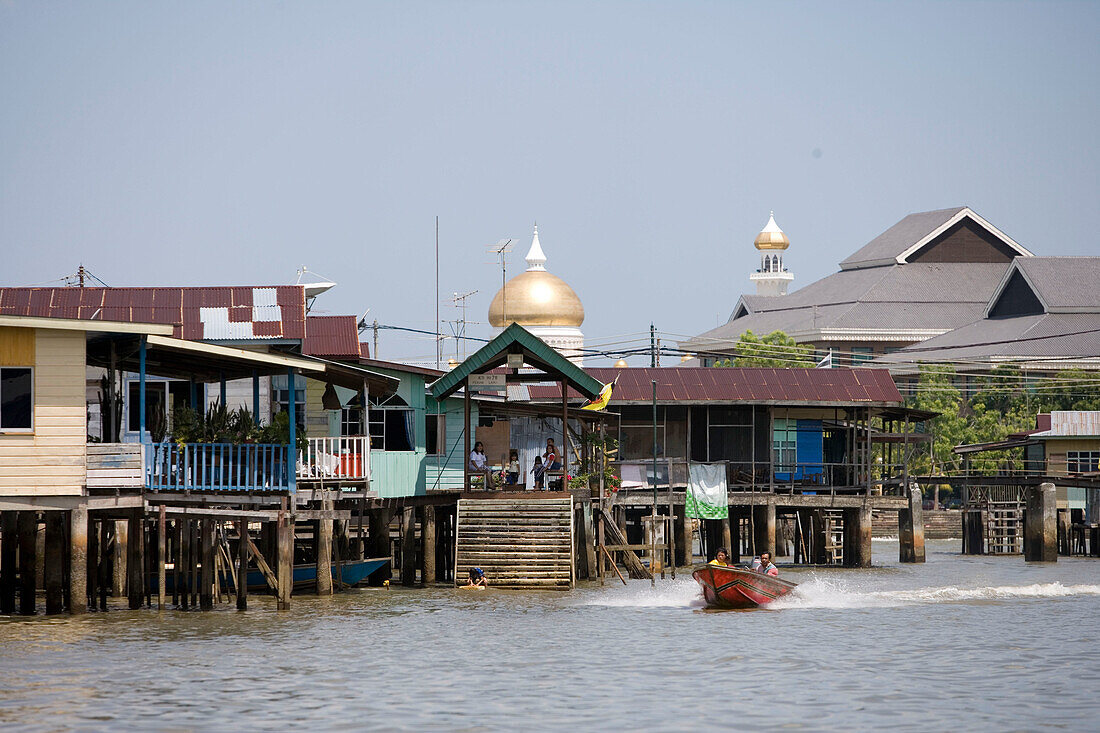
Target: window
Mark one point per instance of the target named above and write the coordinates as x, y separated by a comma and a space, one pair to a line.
1083, 461
784, 437
280, 387
16, 398
436, 432
390, 425
351, 422
729, 433
861, 354
154, 395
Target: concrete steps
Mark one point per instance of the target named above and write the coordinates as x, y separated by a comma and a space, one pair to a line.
519, 543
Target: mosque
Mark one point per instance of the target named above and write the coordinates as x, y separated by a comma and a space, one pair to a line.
542, 303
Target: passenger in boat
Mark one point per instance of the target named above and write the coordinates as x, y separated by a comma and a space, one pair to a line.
721, 558
477, 579
764, 565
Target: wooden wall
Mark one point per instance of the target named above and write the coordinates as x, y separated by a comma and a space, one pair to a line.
49, 461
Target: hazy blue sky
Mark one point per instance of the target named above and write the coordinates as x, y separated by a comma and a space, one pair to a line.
194, 143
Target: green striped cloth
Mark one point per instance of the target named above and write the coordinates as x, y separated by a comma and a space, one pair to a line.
706, 494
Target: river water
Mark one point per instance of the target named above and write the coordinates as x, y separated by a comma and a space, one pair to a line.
959, 642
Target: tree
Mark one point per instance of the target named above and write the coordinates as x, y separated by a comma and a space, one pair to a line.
777, 349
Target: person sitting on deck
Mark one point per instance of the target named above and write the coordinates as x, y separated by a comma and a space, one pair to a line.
721, 558
538, 470
478, 463
477, 579
764, 565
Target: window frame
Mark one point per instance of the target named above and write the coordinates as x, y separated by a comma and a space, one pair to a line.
1074, 459
20, 430
440, 421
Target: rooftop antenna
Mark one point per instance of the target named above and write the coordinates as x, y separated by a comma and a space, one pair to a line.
459, 328
500, 249
313, 289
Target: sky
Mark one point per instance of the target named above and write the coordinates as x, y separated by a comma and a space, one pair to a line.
214, 143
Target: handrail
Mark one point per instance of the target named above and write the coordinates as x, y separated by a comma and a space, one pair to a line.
344, 457
216, 467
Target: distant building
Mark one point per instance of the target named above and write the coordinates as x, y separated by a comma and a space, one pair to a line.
928, 274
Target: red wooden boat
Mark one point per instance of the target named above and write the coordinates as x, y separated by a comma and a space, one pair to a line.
733, 587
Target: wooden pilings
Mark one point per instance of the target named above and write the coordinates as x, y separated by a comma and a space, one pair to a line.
428, 574
322, 541
285, 569
9, 553
28, 531
763, 528
206, 575
53, 562
135, 560
681, 526
1040, 524
408, 546
242, 565
911, 528
78, 560
857, 531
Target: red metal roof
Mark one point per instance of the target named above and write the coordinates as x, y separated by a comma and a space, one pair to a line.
221, 313
745, 384
332, 336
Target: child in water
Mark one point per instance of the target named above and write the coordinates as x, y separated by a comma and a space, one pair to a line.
477, 579
538, 472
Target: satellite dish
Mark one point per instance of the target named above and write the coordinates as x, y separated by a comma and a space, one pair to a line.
315, 289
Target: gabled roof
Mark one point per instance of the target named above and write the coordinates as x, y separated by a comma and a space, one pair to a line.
199, 313
900, 242
745, 385
1061, 284
515, 339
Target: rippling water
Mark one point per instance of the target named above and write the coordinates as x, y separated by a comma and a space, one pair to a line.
987, 643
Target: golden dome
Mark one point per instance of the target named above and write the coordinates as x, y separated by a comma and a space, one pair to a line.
621, 364
535, 297
771, 236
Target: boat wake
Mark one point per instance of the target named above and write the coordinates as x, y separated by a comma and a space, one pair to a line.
679, 593
822, 593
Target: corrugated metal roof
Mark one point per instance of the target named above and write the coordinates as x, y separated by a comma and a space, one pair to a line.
1064, 283
748, 384
212, 314
1072, 423
1055, 335
332, 336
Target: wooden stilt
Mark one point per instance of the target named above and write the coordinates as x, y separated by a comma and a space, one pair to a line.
93, 563
28, 535
408, 546
286, 559
184, 563
53, 562
162, 558
176, 554
322, 543
379, 527
9, 552
206, 589
242, 565
106, 560
119, 558
135, 560
589, 539
428, 545
78, 559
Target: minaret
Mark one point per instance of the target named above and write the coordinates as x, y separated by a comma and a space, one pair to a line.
773, 277
536, 258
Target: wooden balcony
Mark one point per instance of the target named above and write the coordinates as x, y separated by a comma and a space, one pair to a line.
344, 459
217, 467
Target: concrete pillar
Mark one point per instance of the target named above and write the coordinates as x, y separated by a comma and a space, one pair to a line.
858, 537
9, 546
763, 526
28, 547
135, 559
78, 560
322, 543
119, 557
427, 548
1041, 524
408, 546
53, 562
911, 528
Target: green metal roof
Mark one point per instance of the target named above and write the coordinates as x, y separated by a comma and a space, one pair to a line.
517, 340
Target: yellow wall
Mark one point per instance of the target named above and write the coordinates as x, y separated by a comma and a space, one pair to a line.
49, 461
1057, 450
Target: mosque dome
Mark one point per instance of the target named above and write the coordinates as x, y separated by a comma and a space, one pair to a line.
771, 237
536, 297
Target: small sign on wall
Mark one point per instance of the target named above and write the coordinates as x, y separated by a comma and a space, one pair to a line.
488, 382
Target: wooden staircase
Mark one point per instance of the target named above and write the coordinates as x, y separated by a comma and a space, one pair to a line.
518, 542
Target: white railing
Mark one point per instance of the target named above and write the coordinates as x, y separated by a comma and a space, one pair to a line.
345, 458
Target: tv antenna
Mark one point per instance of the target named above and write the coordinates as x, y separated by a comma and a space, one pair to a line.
458, 326
500, 249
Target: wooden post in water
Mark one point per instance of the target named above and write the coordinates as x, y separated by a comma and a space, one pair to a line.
184, 563
379, 528
682, 528
206, 589
427, 541
589, 539
119, 558
52, 563
285, 570
242, 565
9, 552
727, 531
408, 546
28, 547
78, 559
93, 563
1040, 524
322, 544
105, 561
162, 558
135, 559
911, 528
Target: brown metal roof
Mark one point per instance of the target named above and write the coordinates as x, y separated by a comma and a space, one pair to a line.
711, 384
332, 336
221, 313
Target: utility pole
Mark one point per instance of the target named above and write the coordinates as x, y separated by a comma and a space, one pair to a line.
652, 345
375, 354
80, 275
438, 340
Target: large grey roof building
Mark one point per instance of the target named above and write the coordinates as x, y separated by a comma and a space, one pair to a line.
928, 274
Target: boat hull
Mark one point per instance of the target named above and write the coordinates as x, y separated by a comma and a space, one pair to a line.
726, 587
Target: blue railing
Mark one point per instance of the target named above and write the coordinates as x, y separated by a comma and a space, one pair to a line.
218, 467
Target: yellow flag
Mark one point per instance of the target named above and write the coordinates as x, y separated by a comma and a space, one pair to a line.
601, 401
